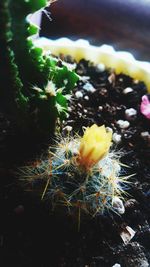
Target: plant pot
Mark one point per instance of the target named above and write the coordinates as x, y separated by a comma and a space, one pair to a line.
123, 24
121, 62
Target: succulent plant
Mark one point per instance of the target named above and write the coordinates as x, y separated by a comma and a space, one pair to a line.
33, 86
80, 173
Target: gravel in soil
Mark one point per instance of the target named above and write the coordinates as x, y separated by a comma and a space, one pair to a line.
31, 235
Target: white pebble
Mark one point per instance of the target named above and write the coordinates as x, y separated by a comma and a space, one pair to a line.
116, 265
78, 94
89, 87
86, 97
100, 108
108, 129
118, 205
100, 67
116, 138
145, 135
130, 113
68, 128
123, 124
84, 78
112, 78
126, 234
136, 81
127, 90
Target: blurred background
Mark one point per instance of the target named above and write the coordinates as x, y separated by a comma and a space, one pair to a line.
123, 24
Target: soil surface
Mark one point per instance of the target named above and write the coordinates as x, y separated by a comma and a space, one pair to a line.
32, 235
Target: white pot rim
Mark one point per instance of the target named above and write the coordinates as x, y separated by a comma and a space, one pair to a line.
120, 61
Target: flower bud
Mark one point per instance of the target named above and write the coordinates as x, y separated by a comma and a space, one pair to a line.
94, 145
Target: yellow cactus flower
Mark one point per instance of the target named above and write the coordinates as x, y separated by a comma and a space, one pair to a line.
94, 145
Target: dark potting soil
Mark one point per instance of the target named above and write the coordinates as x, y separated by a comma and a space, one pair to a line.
32, 235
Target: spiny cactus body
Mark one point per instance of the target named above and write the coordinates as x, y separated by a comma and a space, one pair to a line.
64, 180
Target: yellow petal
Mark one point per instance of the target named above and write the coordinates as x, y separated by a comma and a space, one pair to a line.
94, 145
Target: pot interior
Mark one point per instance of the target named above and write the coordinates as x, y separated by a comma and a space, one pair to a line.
123, 24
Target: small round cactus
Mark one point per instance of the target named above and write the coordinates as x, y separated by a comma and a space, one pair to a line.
80, 173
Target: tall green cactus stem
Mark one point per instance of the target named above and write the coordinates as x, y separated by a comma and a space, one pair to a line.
24, 67
28, 59
10, 82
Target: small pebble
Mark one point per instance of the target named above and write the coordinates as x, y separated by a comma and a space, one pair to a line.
127, 90
103, 92
89, 87
79, 114
130, 113
145, 135
112, 78
118, 205
85, 111
86, 97
136, 81
79, 105
131, 203
68, 128
116, 138
116, 265
126, 234
123, 124
100, 108
100, 67
108, 129
84, 78
78, 94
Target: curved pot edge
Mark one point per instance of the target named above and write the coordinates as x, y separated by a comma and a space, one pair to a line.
121, 61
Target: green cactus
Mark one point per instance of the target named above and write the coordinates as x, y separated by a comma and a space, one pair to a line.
24, 68
64, 180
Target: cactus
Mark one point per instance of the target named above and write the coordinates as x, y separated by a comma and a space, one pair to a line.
27, 74
80, 174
